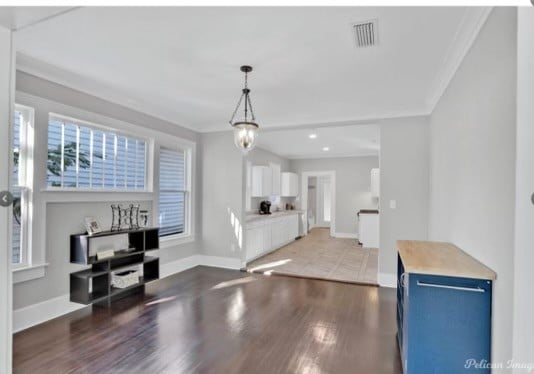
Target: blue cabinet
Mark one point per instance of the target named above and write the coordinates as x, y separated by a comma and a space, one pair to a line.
442, 321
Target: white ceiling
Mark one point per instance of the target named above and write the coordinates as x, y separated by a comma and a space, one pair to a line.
342, 141
182, 64
16, 18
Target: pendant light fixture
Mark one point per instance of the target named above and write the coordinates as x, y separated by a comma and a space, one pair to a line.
245, 128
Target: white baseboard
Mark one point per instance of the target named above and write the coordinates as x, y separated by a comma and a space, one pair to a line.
35, 314
387, 280
41, 312
178, 266
220, 262
346, 235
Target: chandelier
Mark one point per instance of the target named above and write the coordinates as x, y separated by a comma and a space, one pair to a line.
245, 128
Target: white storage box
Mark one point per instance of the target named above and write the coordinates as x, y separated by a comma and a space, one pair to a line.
125, 278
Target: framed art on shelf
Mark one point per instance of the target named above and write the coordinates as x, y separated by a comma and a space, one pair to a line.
92, 226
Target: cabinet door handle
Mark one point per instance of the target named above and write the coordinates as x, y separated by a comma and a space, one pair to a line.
403, 280
468, 289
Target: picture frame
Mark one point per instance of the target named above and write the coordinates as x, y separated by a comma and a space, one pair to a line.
92, 226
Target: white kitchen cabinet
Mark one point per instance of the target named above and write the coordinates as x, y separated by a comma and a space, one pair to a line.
276, 176
267, 234
375, 182
267, 238
290, 184
369, 230
262, 181
254, 241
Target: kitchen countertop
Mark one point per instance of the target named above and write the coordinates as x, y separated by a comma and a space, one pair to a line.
256, 216
436, 258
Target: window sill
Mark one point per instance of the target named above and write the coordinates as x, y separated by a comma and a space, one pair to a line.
27, 273
173, 241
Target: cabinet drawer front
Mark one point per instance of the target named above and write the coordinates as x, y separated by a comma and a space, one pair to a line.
449, 322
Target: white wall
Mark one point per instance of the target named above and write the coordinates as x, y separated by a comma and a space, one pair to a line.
472, 168
222, 196
68, 209
353, 181
404, 179
523, 348
6, 97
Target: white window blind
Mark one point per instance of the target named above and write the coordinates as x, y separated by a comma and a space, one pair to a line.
16, 233
80, 156
21, 184
173, 192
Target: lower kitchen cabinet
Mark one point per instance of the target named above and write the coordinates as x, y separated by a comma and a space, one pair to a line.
267, 234
443, 309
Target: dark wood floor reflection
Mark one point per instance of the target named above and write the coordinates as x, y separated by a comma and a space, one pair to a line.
208, 320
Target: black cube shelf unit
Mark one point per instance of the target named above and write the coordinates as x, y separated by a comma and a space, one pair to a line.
93, 286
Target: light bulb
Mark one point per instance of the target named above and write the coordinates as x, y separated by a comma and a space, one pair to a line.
245, 135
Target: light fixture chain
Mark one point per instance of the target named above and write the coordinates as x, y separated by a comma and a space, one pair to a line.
236, 108
250, 105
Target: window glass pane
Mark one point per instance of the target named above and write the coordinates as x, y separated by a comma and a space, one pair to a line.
15, 190
84, 172
17, 230
172, 192
171, 213
54, 153
93, 158
171, 170
16, 148
131, 162
120, 174
69, 156
141, 156
109, 162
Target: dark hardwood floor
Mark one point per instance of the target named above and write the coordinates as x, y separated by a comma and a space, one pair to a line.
208, 320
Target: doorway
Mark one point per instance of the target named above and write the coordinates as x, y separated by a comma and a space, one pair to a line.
318, 200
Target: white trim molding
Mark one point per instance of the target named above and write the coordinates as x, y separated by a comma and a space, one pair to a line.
304, 196
387, 280
346, 235
35, 314
27, 273
466, 34
177, 266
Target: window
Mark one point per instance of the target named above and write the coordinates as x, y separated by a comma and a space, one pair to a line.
21, 183
173, 192
83, 157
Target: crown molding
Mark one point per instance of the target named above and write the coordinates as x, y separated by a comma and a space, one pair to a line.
78, 82
466, 34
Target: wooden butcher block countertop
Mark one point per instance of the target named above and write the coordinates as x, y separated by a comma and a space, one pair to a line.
436, 258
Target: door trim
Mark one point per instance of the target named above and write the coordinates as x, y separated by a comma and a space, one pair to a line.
304, 196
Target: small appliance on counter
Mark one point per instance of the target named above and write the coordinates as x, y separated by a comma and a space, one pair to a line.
265, 207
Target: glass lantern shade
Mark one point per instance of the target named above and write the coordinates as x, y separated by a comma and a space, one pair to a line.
245, 135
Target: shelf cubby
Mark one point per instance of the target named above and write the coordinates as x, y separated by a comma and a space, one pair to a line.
93, 286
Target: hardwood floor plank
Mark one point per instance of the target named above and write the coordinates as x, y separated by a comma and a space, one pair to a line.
208, 320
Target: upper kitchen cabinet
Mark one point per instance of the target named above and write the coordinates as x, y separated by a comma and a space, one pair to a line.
290, 184
375, 182
276, 175
262, 181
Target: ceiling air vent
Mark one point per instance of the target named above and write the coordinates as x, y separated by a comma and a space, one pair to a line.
366, 33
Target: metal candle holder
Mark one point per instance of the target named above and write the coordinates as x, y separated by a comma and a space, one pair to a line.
124, 218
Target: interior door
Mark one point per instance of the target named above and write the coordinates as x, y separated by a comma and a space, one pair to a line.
6, 97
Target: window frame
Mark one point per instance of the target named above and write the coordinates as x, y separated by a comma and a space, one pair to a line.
148, 184
189, 223
25, 183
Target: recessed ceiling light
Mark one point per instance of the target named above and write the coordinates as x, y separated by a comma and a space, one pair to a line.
312, 136
326, 149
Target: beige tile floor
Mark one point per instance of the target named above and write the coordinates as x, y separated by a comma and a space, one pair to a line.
317, 255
